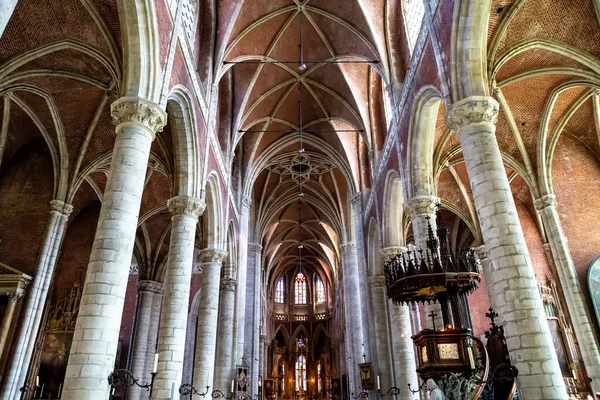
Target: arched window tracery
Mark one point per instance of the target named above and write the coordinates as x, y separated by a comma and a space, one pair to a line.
301, 373
300, 289
320, 291
280, 291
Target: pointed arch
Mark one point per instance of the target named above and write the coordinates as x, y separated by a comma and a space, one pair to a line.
421, 138
141, 58
392, 211
186, 145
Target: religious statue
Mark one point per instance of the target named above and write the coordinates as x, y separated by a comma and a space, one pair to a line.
436, 392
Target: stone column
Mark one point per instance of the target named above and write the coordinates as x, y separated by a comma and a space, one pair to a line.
405, 367
569, 282
206, 331
96, 333
420, 208
252, 313
240, 321
262, 361
488, 268
361, 263
224, 366
352, 306
381, 324
7, 7
34, 306
173, 319
7, 320
517, 297
146, 331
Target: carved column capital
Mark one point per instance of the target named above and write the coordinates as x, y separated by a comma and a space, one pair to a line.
421, 206
228, 284
389, 252
472, 110
356, 199
61, 207
16, 297
246, 201
186, 205
151, 286
376, 281
547, 200
482, 252
138, 111
255, 247
347, 247
212, 255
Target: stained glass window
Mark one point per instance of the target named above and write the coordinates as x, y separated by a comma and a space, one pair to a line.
301, 373
320, 291
300, 288
279, 291
319, 382
414, 11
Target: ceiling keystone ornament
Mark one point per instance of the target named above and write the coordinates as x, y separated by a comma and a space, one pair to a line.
419, 206
547, 200
61, 207
472, 110
139, 111
212, 255
186, 205
305, 166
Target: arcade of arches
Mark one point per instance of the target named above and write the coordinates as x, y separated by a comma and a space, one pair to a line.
221, 182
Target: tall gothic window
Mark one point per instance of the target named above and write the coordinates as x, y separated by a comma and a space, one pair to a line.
414, 11
320, 291
301, 373
319, 373
279, 291
300, 288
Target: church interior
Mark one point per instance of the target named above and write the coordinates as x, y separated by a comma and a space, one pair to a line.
299, 199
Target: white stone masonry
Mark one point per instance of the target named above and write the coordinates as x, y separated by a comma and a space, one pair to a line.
516, 292
34, 309
225, 343
582, 324
354, 329
173, 320
150, 295
96, 333
206, 331
405, 367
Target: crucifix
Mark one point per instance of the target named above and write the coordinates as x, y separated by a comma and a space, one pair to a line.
433, 315
364, 356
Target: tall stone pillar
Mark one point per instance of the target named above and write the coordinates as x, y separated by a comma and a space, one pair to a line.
352, 306
381, 323
7, 320
34, 306
96, 333
253, 321
361, 262
240, 322
488, 268
262, 361
208, 310
150, 295
420, 208
224, 366
405, 367
173, 319
582, 324
527, 334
